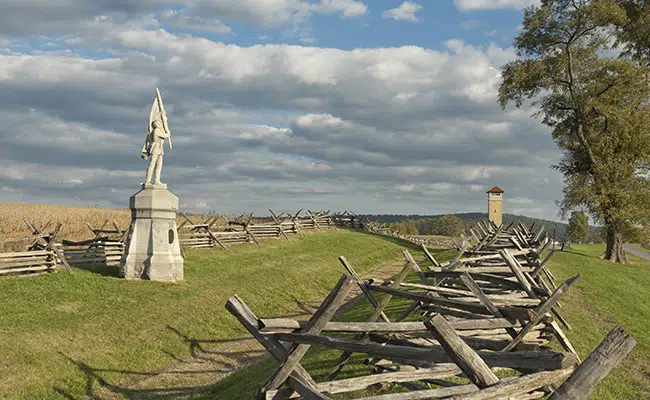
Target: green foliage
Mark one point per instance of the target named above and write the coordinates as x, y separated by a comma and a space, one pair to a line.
633, 32
596, 236
635, 234
578, 230
448, 225
427, 226
596, 105
406, 227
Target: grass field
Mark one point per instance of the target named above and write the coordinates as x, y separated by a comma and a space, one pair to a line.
66, 336
63, 336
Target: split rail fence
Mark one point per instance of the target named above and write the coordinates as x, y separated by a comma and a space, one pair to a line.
495, 305
45, 254
219, 231
106, 246
383, 229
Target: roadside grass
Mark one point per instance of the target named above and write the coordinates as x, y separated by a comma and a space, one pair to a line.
65, 336
606, 295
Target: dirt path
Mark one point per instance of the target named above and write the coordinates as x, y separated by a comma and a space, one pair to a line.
212, 362
637, 252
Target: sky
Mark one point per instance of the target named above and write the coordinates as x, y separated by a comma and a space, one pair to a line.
371, 106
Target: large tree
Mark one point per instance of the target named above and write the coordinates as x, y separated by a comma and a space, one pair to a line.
578, 229
596, 103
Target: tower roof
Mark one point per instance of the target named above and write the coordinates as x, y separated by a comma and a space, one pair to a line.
495, 189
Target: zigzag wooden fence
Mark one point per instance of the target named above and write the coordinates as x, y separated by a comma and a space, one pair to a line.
219, 231
106, 246
41, 256
104, 249
383, 229
495, 305
45, 255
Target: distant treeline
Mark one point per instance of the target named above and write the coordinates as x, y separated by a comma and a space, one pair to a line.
454, 224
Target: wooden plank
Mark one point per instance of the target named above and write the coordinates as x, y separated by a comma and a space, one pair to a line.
478, 292
508, 312
28, 269
542, 310
273, 325
426, 357
353, 384
316, 323
247, 318
611, 351
519, 386
377, 313
61, 256
362, 286
429, 255
313, 219
467, 360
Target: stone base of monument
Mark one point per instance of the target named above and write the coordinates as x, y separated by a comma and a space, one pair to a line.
152, 248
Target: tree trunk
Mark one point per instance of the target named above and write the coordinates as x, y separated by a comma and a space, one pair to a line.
614, 251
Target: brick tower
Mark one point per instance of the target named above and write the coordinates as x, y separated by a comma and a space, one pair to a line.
495, 205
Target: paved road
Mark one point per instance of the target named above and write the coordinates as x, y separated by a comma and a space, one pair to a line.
637, 252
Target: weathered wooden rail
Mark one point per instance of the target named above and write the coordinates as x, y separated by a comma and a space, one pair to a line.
382, 229
45, 254
494, 305
27, 262
218, 231
96, 251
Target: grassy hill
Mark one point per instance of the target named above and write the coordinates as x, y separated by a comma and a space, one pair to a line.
605, 296
70, 336
470, 218
65, 336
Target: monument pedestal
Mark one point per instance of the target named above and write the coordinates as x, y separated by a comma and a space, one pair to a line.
152, 248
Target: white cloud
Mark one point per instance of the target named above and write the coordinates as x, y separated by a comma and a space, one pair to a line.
272, 125
405, 12
466, 5
178, 19
348, 8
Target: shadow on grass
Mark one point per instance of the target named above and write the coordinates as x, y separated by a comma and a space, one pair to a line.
220, 362
100, 269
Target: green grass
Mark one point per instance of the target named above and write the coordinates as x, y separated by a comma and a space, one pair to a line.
63, 336
606, 295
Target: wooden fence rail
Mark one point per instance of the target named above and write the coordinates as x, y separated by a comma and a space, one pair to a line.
495, 305
208, 234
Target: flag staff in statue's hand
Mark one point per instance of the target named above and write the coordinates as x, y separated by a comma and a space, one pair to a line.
158, 131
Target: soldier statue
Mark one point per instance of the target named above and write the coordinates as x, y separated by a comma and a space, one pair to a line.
153, 147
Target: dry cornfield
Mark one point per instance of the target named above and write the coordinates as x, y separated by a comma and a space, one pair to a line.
74, 219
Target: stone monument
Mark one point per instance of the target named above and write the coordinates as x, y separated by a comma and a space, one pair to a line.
152, 248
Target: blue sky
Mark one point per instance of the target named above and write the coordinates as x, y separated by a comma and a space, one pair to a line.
377, 107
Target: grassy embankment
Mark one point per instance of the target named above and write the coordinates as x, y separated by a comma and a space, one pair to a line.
606, 295
63, 336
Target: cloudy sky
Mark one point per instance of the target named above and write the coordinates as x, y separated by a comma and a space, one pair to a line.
375, 106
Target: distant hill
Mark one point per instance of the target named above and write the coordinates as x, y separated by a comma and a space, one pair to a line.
470, 218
